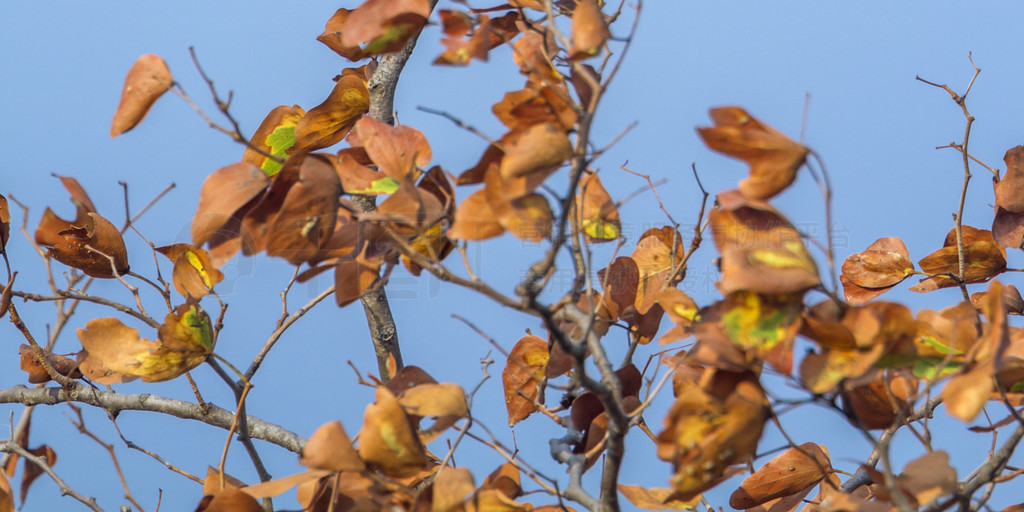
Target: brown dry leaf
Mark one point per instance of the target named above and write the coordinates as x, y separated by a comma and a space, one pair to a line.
229, 500
878, 403
536, 104
1008, 225
589, 30
656, 498
761, 250
619, 282
773, 157
398, 151
147, 80
868, 274
213, 483
790, 472
110, 351
305, 220
278, 486
474, 219
681, 309
329, 448
983, 260
488, 34
331, 37
388, 438
194, 274
5, 223
658, 256
444, 399
6, 497
327, 123
357, 178
598, 214
533, 52
521, 378
79, 197
1011, 298
928, 477
5, 296
710, 428
31, 472
275, 135
505, 479
451, 487
763, 326
37, 372
966, 393
384, 26
539, 149
226, 196
410, 211
351, 279
88, 244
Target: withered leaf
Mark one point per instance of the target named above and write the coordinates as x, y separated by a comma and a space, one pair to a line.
539, 149
305, 220
275, 135
598, 214
229, 499
388, 438
983, 260
226, 196
351, 279
1008, 224
398, 151
327, 123
37, 372
474, 219
589, 30
147, 80
868, 274
761, 250
451, 487
194, 274
31, 471
521, 378
928, 477
331, 37
659, 258
533, 52
790, 472
710, 428
5, 223
657, 498
878, 403
91, 243
329, 448
384, 25
773, 157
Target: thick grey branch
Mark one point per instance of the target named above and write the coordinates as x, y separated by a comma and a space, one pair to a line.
114, 403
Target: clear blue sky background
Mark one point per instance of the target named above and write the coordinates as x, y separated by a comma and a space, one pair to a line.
875, 126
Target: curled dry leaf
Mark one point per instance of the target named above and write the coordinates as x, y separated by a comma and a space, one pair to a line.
521, 378
275, 135
879, 403
983, 260
1011, 298
790, 472
589, 30
91, 243
872, 272
31, 471
488, 34
305, 219
761, 250
388, 438
327, 123
657, 498
5, 223
147, 80
229, 499
535, 104
330, 448
194, 274
773, 157
1008, 225
331, 37
37, 372
659, 258
598, 215
711, 427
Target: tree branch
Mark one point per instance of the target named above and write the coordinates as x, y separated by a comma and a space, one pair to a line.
114, 403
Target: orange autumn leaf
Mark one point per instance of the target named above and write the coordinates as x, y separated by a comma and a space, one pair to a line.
790, 472
305, 219
878, 403
489, 33
539, 149
659, 259
275, 136
761, 250
330, 448
194, 274
114, 352
352, 278
867, 274
147, 80
711, 427
598, 214
983, 260
397, 151
474, 219
589, 30
521, 378
533, 52
225, 197
331, 36
657, 498
229, 499
451, 487
928, 477
384, 26
536, 104
1008, 224
388, 438
327, 123
773, 157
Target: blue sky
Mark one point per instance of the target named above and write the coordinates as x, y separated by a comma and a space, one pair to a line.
875, 126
